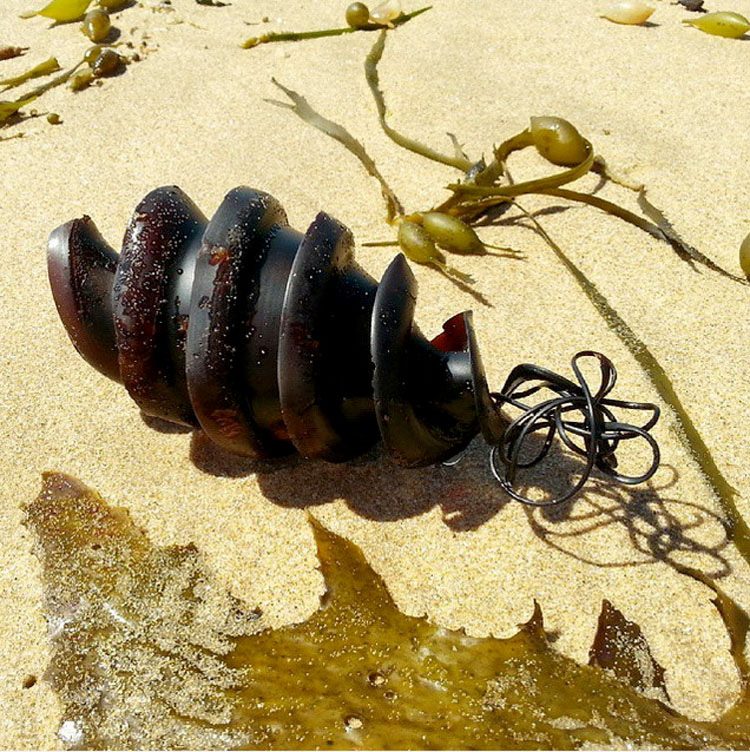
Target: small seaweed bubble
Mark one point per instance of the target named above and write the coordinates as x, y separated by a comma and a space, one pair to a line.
721, 24
357, 15
29, 681
745, 256
629, 12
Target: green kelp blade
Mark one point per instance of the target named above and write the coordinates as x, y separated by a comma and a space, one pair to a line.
43, 69
61, 11
373, 81
8, 109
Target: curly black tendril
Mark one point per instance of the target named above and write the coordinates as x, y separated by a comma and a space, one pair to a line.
598, 429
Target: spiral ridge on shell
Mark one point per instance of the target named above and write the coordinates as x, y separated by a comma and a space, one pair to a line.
270, 340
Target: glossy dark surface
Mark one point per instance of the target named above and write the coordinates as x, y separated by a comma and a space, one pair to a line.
416, 428
81, 268
268, 339
325, 374
150, 359
226, 281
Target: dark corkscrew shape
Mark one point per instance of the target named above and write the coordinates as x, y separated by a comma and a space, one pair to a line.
273, 341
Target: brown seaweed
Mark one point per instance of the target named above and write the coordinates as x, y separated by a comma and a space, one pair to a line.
148, 651
8, 52
620, 647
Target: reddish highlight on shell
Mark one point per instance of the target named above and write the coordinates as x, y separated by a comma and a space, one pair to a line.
273, 341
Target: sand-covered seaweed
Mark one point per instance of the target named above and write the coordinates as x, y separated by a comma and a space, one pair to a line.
149, 651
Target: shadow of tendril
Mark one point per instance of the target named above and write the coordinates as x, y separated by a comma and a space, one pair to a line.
660, 528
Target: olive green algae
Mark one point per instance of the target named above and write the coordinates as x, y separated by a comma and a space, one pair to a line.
148, 651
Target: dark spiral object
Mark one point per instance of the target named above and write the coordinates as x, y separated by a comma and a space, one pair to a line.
273, 341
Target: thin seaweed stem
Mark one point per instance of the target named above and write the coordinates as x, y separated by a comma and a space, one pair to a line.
373, 80
688, 433
296, 36
302, 108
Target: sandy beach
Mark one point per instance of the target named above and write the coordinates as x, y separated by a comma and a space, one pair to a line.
664, 104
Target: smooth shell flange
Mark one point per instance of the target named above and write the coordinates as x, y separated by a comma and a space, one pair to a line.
268, 339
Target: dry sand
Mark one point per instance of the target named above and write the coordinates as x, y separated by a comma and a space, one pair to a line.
665, 104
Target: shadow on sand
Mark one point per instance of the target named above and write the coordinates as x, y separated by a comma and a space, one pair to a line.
660, 527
